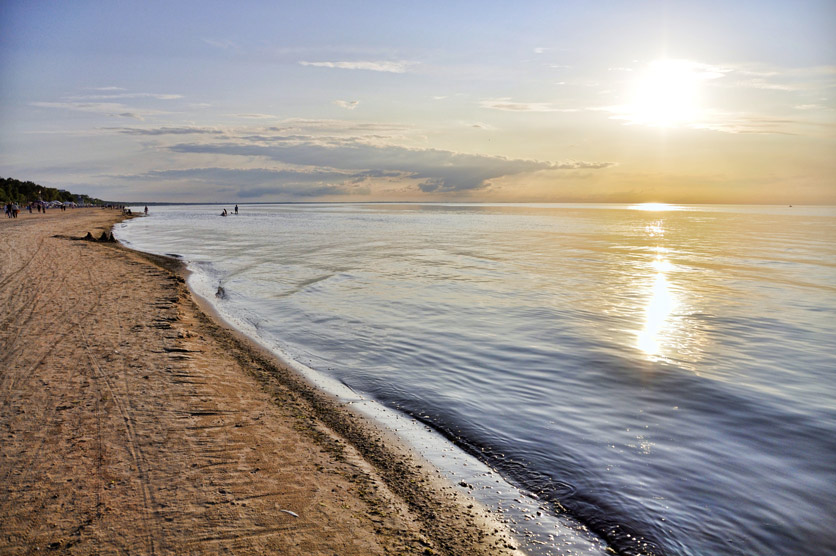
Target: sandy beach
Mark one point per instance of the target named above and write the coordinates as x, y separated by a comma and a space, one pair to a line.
133, 422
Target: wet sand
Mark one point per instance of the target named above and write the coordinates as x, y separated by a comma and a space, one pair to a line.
133, 422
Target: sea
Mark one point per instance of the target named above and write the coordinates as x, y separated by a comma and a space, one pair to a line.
637, 379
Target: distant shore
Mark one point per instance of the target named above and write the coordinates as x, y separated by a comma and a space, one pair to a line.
133, 421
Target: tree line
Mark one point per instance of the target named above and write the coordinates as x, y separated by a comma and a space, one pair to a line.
16, 191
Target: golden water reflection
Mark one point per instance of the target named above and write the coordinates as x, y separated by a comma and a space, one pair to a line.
661, 300
654, 207
657, 311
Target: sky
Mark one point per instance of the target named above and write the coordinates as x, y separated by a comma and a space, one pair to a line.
609, 101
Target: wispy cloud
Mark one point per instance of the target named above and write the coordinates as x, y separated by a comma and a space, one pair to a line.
723, 121
168, 131
768, 85
106, 102
515, 106
769, 78
347, 104
221, 43
741, 123
383, 66
111, 109
811, 107
341, 128
114, 96
256, 116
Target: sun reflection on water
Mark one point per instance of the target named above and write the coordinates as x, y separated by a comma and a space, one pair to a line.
658, 309
661, 302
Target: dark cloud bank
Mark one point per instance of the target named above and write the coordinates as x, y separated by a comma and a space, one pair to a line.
435, 170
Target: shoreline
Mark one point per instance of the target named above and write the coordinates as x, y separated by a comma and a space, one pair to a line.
121, 414
410, 477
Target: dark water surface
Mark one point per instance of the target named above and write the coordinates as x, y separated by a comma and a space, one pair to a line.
665, 377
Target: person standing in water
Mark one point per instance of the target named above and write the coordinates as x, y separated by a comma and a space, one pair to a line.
146, 211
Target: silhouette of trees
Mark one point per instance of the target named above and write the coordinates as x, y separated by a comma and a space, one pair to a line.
16, 191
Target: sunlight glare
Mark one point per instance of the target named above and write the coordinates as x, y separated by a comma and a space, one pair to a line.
662, 300
666, 94
656, 314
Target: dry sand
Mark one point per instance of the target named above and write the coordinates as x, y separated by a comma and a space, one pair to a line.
133, 423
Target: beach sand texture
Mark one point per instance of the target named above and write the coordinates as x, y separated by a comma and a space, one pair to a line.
133, 423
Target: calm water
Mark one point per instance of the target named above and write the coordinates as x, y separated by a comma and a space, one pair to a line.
665, 377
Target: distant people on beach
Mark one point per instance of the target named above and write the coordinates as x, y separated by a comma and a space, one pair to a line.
12, 209
236, 209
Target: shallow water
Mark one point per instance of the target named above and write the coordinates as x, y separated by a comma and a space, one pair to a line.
665, 377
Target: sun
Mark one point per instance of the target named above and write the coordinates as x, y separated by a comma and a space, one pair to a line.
666, 94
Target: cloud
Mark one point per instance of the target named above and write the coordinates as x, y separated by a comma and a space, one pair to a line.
339, 126
809, 107
252, 183
347, 104
435, 170
716, 120
256, 116
739, 123
766, 85
106, 103
167, 130
513, 106
384, 66
801, 79
114, 96
112, 109
580, 165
